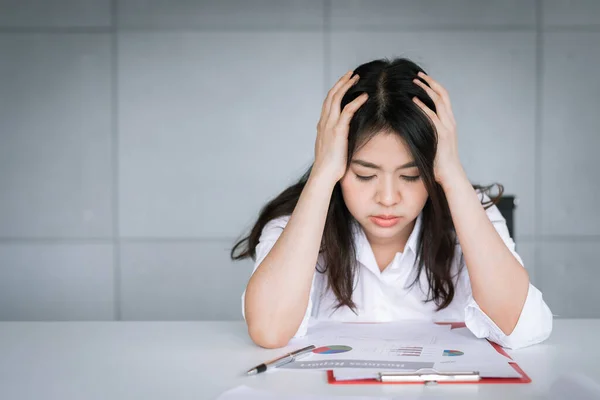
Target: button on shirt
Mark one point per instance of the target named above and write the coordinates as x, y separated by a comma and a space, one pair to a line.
387, 295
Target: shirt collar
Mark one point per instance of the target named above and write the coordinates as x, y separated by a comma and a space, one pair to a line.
364, 251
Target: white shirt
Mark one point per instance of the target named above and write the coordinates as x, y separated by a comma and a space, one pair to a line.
388, 296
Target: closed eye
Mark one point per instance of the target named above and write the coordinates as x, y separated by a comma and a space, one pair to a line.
405, 177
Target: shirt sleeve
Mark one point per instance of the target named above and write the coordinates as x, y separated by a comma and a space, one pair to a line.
535, 322
267, 240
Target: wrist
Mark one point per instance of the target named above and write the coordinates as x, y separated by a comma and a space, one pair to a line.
452, 176
322, 179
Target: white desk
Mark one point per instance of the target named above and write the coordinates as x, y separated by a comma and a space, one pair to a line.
200, 360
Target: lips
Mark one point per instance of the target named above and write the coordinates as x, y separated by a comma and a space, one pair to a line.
385, 221
385, 216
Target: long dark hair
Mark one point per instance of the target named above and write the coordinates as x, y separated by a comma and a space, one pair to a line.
388, 109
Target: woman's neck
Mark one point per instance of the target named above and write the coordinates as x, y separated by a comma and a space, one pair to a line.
385, 249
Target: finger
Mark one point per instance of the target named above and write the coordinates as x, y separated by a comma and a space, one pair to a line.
441, 109
441, 90
427, 110
436, 86
332, 91
334, 112
350, 109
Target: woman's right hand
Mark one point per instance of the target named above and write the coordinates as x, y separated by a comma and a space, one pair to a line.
331, 146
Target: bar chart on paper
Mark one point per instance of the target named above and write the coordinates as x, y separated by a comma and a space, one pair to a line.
409, 351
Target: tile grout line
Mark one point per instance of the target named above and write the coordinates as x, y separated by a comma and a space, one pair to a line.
115, 162
326, 44
231, 239
538, 142
308, 28
55, 30
277, 28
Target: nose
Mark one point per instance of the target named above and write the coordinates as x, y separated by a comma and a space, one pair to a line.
388, 193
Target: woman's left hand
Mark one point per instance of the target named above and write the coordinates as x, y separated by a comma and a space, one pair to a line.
447, 162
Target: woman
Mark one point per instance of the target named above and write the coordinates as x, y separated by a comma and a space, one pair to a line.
386, 226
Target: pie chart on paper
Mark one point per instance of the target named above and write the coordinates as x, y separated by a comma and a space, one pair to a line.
452, 353
332, 349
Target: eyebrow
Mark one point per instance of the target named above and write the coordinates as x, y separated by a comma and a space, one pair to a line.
375, 166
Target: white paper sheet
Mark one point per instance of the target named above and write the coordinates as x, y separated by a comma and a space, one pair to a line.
406, 331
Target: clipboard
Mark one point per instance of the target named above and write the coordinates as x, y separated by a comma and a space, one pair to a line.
523, 379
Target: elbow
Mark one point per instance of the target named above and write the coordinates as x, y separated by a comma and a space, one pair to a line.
263, 332
268, 338
267, 329
531, 331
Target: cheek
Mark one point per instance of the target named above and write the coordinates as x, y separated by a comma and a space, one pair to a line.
354, 193
418, 195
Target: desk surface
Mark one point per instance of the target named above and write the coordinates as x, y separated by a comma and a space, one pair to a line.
200, 360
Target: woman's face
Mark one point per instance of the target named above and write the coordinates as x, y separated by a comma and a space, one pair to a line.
391, 187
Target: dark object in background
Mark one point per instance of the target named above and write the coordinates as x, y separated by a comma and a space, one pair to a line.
507, 205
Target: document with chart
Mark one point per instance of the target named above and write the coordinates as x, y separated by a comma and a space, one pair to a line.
399, 347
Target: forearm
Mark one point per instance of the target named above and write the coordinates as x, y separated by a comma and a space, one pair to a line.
278, 291
499, 282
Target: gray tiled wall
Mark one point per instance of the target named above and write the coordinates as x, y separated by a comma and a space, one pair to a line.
138, 139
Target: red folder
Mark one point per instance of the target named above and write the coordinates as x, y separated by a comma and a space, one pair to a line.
523, 379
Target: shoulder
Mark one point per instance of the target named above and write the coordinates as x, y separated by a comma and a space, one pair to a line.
269, 235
